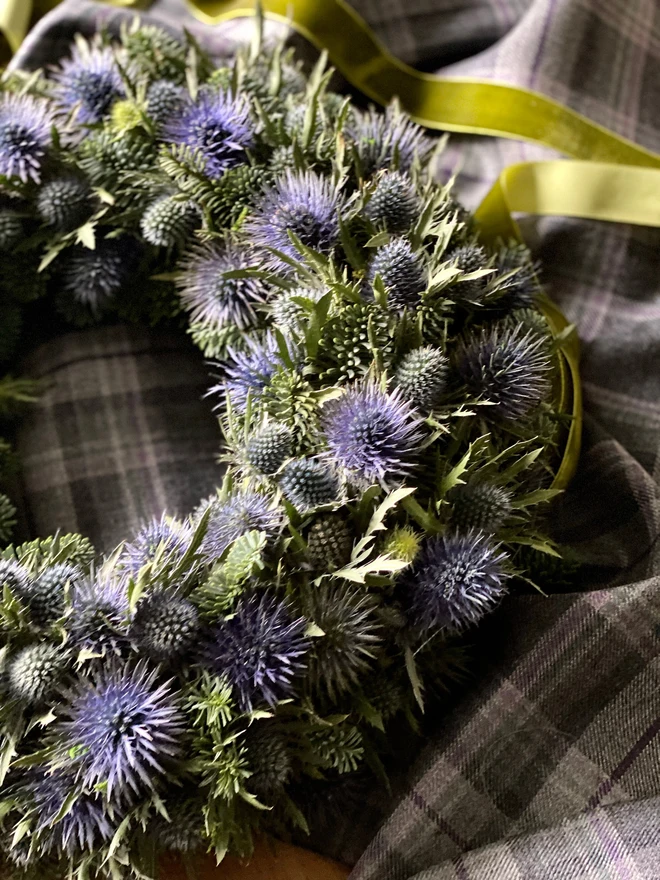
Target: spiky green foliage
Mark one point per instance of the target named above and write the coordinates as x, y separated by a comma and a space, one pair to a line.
153, 52
351, 340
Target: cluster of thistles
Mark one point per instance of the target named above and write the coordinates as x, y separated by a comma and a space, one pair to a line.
385, 386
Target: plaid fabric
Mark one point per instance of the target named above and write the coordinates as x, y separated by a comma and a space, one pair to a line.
547, 762
120, 434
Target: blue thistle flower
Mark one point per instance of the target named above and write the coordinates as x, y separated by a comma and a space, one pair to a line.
454, 581
302, 203
373, 434
64, 202
166, 533
210, 297
260, 650
269, 447
506, 366
241, 513
45, 595
250, 370
422, 377
402, 271
165, 627
120, 727
165, 100
85, 825
25, 136
93, 277
309, 483
388, 141
218, 126
88, 83
99, 614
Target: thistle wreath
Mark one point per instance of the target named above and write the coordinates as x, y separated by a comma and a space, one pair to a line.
386, 386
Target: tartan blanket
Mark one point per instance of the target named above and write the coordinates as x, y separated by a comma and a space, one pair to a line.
547, 764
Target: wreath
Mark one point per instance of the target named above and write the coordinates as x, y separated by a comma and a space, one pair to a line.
388, 387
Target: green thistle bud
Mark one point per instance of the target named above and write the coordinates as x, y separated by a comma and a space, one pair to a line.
105, 157
394, 203
237, 190
531, 320
387, 694
287, 313
309, 483
7, 517
35, 672
169, 221
11, 229
221, 79
269, 447
480, 506
352, 339
282, 160
64, 202
422, 377
289, 398
268, 758
469, 258
403, 542
165, 627
433, 317
125, 116
152, 51
329, 543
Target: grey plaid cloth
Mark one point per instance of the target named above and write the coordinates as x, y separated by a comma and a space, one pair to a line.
546, 763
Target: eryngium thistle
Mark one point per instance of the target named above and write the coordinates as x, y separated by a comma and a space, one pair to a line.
469, 258
289, 314
34, 673
99, 615
507, 367
218, 127
269, 759
64, 202
241, 513
388, 141
480, 506
455, 580
165, 100
394, 204
522, 289
372, 434
81, 828
250, 370
120, 727
352, 339
169, 221
14, 576
213, 299
352, 636
165, 627
11, 229
164, 535
301, 203
308, 483
93, 277
45, 595
402, 272
25, 136
88, 83
422, 377
269, 447
402, 542
260, 650
329, 543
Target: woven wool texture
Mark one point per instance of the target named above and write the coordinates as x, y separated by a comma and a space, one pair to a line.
547, 766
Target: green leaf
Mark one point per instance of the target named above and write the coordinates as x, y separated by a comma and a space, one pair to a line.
540, 544
378, 240
86, 235
415, 681
539, 496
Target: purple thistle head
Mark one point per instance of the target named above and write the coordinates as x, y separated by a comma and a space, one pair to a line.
260, 650
82, 829
123, 728
241, 513
166, 533
88, 83
99, 614
388, 140
93, 277
210, 297
507, 366
218, 126
302, 203
373, 434
25, 135
455, 580
250, 371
